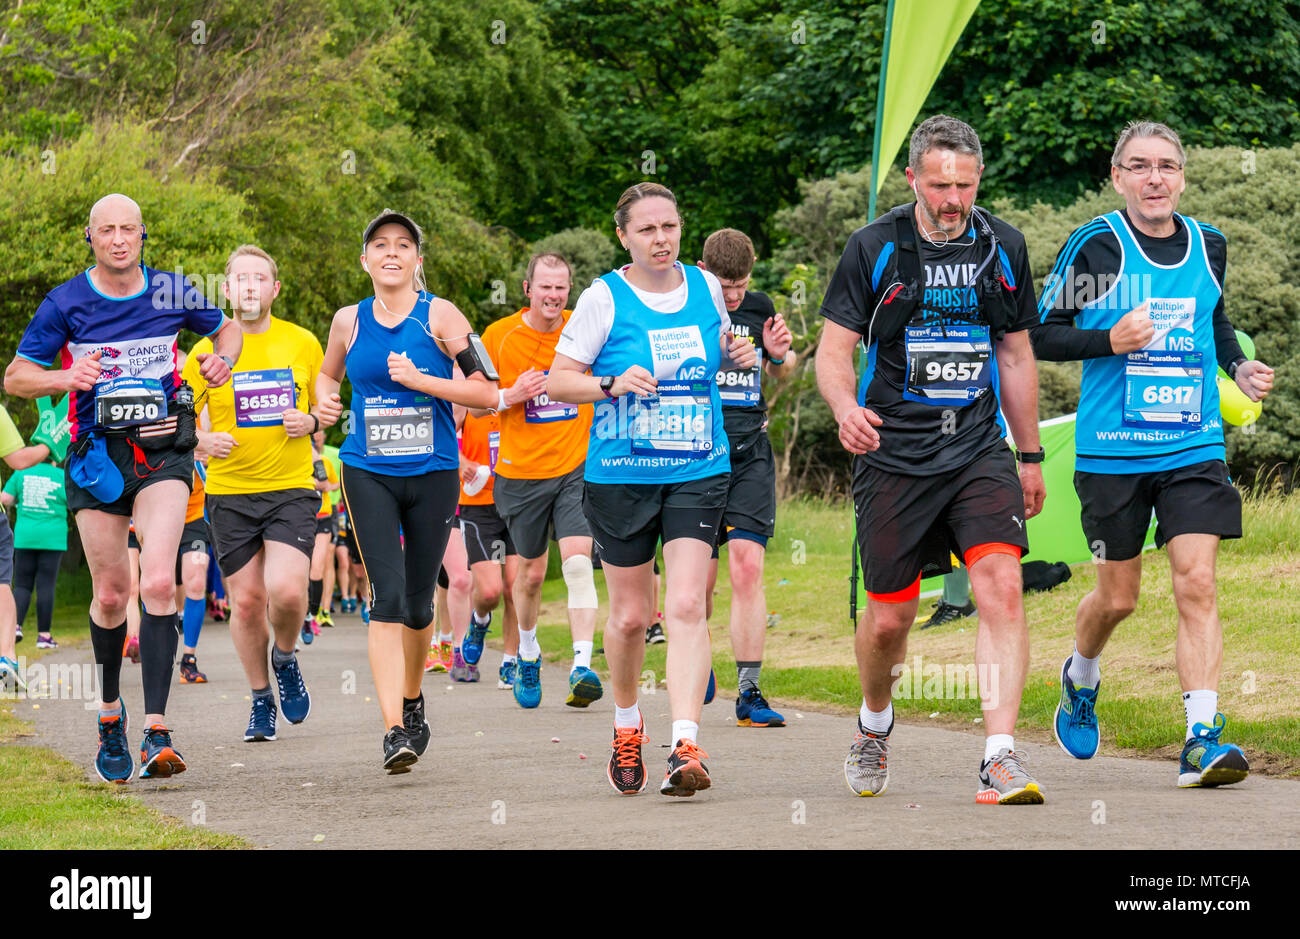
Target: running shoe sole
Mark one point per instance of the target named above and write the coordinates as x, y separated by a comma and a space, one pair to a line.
400, 762
748, 723
1029, 795
166, 762
1230, 768
686, 780
586, 691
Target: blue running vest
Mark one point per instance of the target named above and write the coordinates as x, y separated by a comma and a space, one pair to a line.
1158, 408
677, 434
396, 431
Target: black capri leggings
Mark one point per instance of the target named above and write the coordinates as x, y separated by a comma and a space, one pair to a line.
383, 511
34, 568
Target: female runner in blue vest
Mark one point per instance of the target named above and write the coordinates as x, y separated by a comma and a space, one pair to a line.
652, 335
400, 459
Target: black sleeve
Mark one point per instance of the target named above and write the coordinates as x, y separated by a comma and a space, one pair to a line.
1026, 302
1056, 338
849, 299
1226, 346
765, 309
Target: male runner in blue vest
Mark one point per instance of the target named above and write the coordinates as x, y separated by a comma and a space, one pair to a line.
1138, 295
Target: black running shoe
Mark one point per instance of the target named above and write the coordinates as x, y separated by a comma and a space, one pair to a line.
686, 773
946, 613
626, 770
399, 754
654, 633
416, 727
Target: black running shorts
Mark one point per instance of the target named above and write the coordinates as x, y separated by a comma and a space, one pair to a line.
153, 467
242, 522
628, 519
194, 539
1116, 509
485, 533
909, 525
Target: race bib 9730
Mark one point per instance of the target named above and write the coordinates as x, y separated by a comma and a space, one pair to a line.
125, 402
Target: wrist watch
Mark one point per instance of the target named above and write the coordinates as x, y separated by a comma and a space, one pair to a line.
607, 383
230, 363
1233, 366
1035, 456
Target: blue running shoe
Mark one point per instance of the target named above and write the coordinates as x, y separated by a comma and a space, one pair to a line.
528, 682
506, 676
365, 612
306, 634
10, 671
158, 758
294, 699
1207, 762
584, 687
472, 646
113, 762
712, 689
261, 722
752, 711
1075, 723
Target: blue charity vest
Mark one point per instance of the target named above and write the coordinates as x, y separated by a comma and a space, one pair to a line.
1157, 408
396, 431
677, 434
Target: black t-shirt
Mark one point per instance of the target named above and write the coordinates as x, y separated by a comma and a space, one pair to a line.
743, 407
928, 437
1091, 255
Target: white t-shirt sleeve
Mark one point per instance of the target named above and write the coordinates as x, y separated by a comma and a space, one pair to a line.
715, 290
588, 327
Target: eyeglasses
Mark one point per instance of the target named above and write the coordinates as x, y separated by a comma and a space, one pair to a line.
1166, 168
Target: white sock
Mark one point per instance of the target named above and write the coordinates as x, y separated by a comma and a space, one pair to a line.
480, 620
627, 717
444, 637
1200, 708
1084, 672
686, 730
509, 659
582, 653
878, 722
995, 742
528, 647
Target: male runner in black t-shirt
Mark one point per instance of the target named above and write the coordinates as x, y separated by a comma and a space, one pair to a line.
941, 293
750, 516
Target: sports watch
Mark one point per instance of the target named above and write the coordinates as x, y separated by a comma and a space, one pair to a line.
606, 384
1035, 456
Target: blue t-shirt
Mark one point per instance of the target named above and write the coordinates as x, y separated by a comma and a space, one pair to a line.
136, 334
396, 431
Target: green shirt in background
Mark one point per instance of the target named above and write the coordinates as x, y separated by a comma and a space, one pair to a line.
42, 504
332, 454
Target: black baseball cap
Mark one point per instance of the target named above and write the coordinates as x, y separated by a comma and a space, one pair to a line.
387, 216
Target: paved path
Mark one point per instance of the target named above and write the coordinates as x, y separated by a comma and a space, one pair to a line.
492, 776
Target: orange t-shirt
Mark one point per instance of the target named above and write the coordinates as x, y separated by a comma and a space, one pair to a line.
194, 508
540, 439
480, 441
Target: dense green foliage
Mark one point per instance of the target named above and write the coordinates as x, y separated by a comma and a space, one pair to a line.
512, 127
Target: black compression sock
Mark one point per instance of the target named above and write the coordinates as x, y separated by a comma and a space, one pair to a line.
314, 590
158, 641
107, 646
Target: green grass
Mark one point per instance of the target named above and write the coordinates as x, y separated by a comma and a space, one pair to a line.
48, 801
809, 662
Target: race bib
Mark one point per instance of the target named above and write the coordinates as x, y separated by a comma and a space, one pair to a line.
677, 421
399, 425
494, 445
262, 397
1163, 389
948, 364
126, 402
740, 387
542, 410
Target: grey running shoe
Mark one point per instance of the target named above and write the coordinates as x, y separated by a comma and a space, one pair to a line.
1005, 781
866, 769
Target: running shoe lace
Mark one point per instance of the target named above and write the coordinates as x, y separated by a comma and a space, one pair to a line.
868, 750
627, 744
1084, 715
756, 700
691, 749
1011, 765
261, 711
111, 738
530, 672
158, 736
283, 679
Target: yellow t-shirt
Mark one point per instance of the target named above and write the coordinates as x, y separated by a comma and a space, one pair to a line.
539, 439
266, 459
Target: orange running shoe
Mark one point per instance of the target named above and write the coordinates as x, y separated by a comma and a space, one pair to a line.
432, 661
687, 773
626, 770
131, 649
